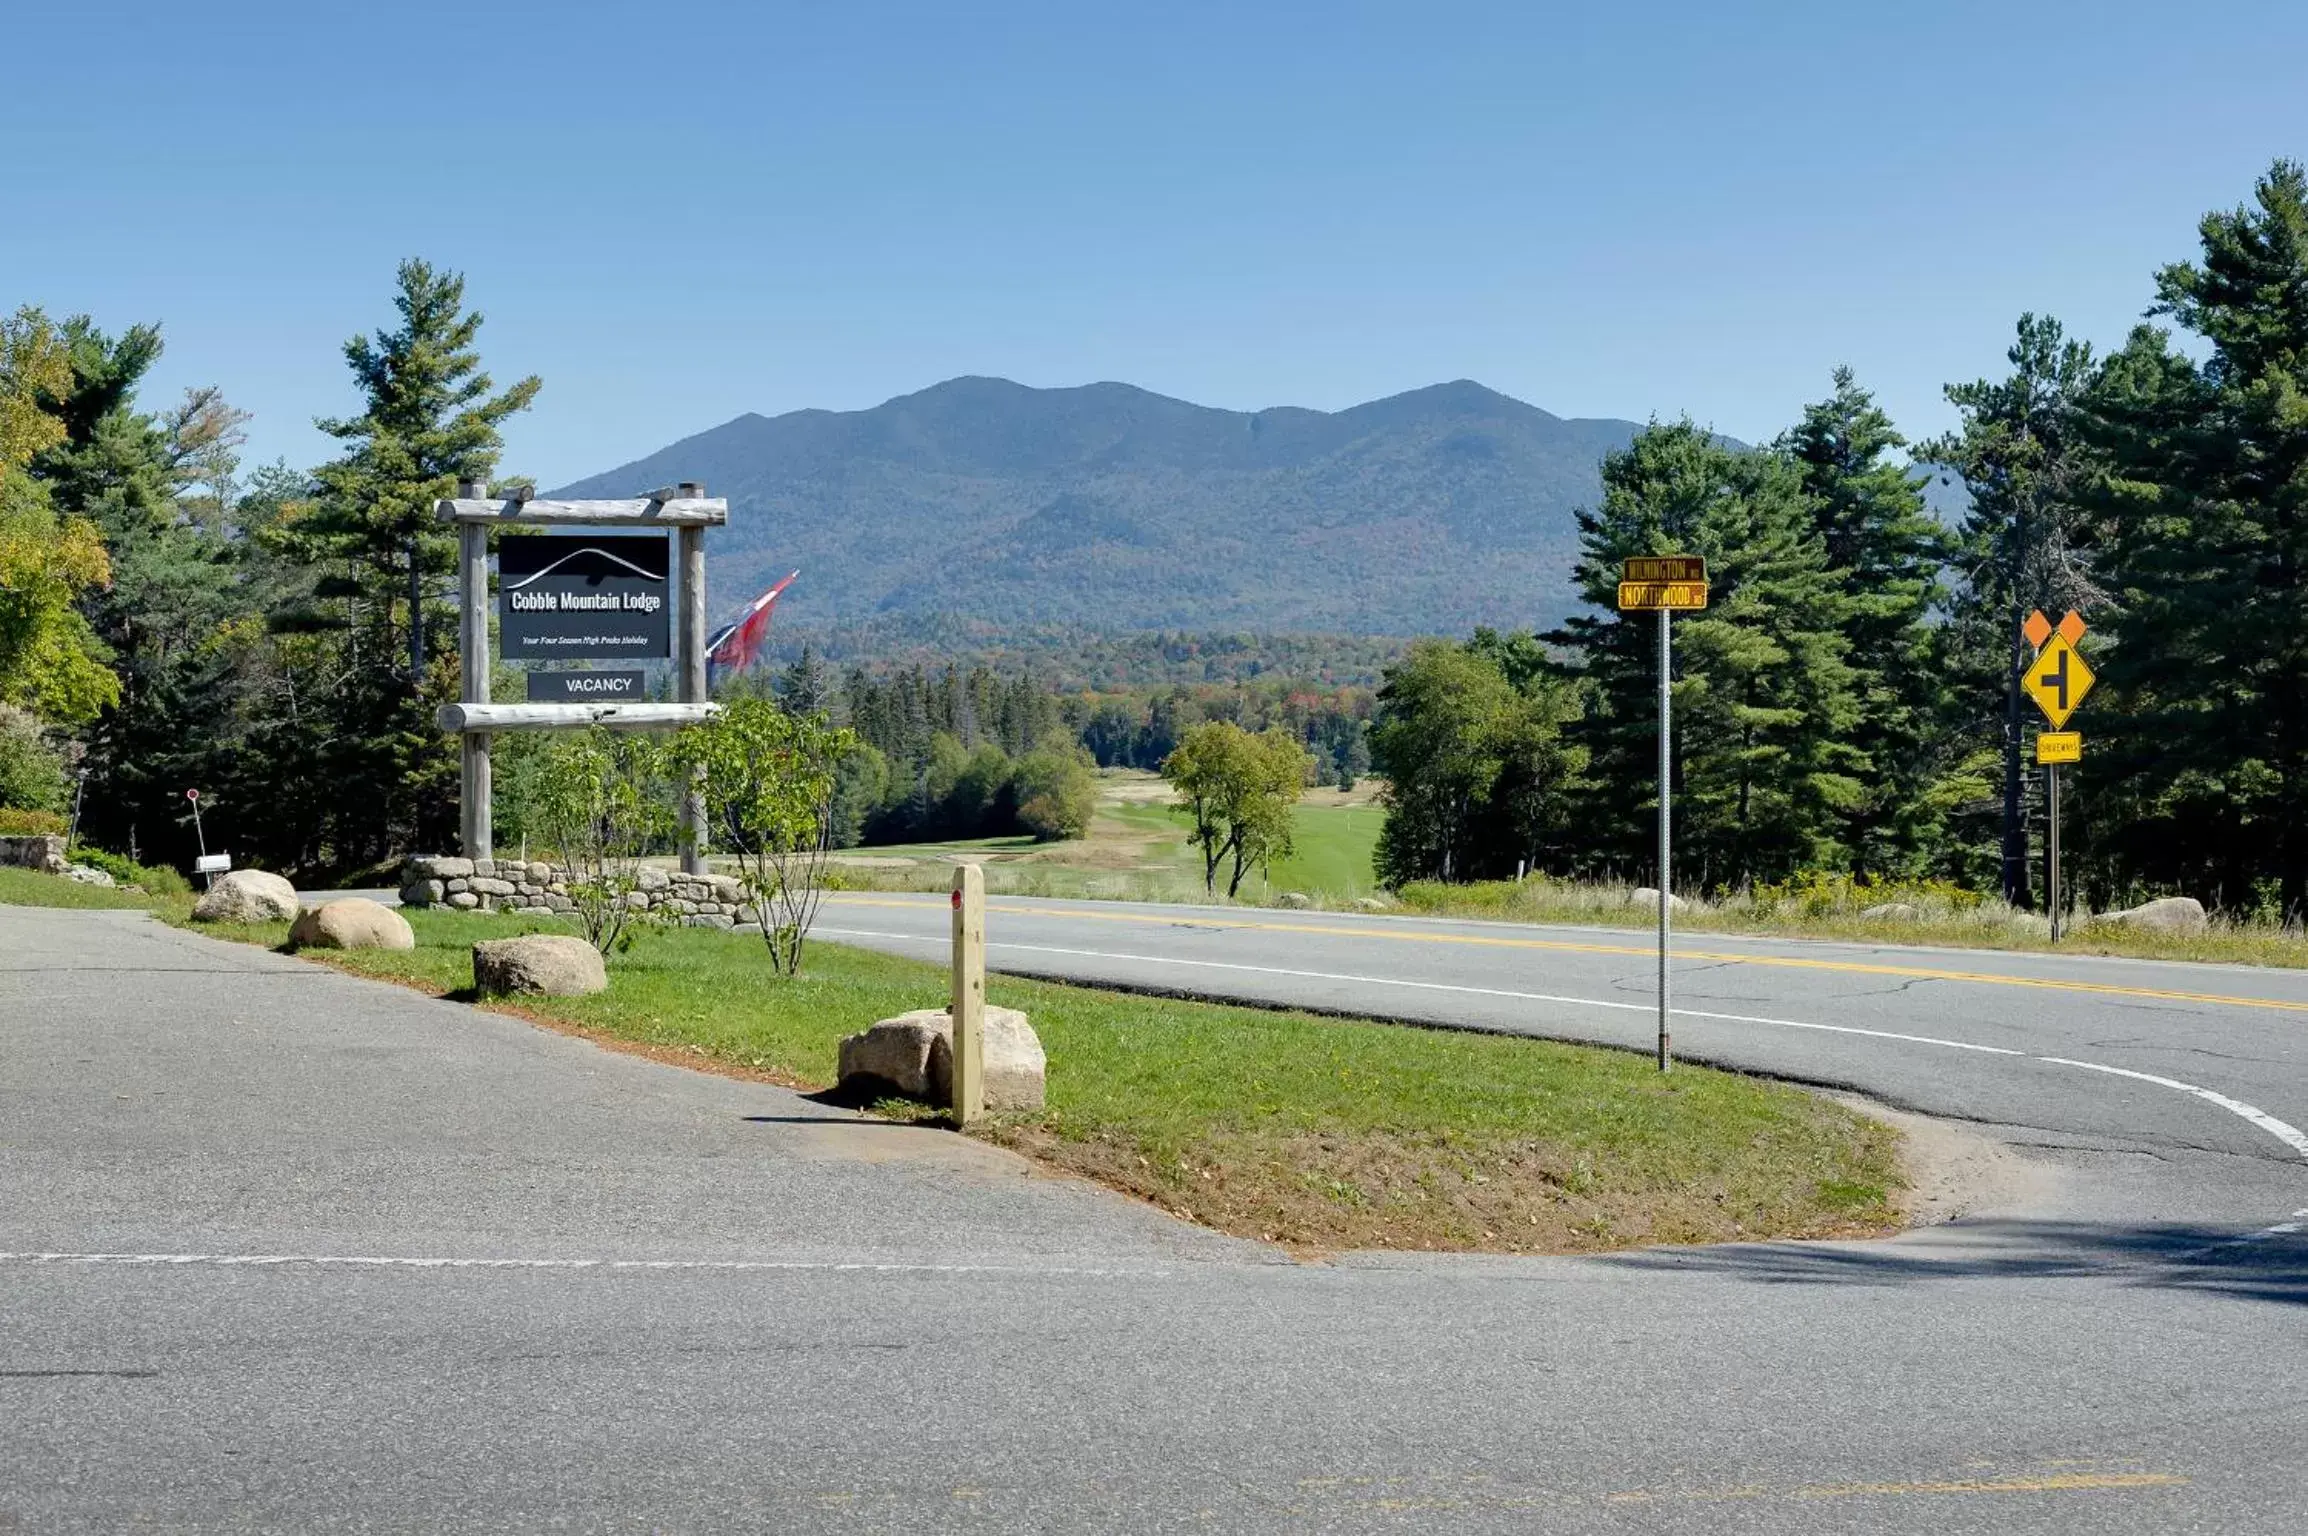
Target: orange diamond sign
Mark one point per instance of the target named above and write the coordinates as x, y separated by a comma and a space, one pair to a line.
2038, 629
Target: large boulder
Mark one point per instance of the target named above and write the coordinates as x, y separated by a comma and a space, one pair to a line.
913, 1055
540, 964
1295, 901
1646, 896
351, 922
2170, 914
247, 896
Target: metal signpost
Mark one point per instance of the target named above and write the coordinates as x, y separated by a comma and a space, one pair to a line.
2057, 679
598, 596
1665, 585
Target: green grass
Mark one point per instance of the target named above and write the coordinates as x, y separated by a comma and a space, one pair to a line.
1331, 856
1968, 923
30, 888
1317, 1132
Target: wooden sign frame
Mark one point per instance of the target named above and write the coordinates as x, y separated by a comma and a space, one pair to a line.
688, 511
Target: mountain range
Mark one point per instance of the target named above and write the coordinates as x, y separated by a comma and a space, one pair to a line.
1112, 508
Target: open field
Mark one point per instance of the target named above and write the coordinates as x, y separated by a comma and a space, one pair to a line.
1316, 1132
1136, 850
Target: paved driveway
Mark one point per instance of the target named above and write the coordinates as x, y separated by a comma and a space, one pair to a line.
285, 1250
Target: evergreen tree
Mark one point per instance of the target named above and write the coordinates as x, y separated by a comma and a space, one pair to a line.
1765, 701
2023, 452
430, 418
1885, 552
2208, 502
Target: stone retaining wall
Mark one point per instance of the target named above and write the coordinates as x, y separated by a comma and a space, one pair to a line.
538, 889
42, 851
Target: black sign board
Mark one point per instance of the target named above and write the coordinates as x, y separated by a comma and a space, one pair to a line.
584, 595
584, 687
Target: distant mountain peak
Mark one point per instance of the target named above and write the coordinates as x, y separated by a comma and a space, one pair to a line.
1115, 507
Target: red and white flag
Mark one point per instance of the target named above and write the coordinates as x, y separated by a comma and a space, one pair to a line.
736, 645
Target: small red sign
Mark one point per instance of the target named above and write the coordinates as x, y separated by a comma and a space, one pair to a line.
957, 901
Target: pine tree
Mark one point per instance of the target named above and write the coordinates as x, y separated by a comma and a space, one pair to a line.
2208, 498
430, 418
2023, 452
1764, 698
1885, 552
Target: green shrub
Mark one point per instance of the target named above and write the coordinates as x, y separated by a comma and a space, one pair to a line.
159, 881
16, 822
32, 776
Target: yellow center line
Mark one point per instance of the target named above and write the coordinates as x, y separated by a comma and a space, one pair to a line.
1500, 941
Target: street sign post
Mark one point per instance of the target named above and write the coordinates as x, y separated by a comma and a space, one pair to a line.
1665, 585
2057, 680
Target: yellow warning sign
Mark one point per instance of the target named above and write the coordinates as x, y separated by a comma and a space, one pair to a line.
2058, 679
2060, 747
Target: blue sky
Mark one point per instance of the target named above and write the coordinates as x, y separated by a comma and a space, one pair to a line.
679, 212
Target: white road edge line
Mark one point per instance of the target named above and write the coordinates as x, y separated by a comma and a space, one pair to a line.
2292, 1136
369, 1261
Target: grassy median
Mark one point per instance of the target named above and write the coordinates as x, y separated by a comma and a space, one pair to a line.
1316, 1132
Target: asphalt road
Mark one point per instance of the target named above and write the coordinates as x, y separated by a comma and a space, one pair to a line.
285, 1250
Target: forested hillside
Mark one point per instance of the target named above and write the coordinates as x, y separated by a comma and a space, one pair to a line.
1110, 507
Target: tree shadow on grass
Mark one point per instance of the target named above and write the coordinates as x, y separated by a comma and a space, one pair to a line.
2171, 1256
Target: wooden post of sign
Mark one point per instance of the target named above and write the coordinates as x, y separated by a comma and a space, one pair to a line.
968, 1007
691, 546
476, 786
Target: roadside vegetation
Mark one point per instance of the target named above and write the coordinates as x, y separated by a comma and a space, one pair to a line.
1320, 1133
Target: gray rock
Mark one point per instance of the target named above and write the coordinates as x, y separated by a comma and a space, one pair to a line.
1895, 911
464, 901
247, 896
484, 885
351, 922
423, 893
88, 875
539, 964
912, 1055
749, 914
1647, 896
2169, 914
485, 867
530, 911
654, 879
1372, 904
709, 920
439, 868
1296, 901
559, 904
460, 883
635, 900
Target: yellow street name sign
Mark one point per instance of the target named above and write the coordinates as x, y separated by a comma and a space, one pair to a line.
1650, 596
1648, 568
2060, 747
2058, 679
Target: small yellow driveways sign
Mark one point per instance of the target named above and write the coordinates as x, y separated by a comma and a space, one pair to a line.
1677, 583
2060, 747
2057, 679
